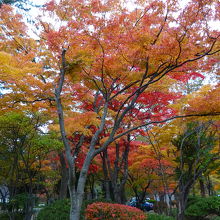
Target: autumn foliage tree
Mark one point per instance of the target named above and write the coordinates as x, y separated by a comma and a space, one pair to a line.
106, 53
24, 146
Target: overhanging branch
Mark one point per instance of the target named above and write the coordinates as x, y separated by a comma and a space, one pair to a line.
165, 120
112, 139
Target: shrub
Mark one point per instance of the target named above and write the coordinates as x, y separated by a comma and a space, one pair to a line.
59, 210
154, 216
15, 208
108, 211
17, 216
88, 202
192, 199
203, 207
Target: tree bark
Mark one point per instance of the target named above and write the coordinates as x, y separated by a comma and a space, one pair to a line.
78, 194
183, 196
209, 186
202, 187
64, 177
106, 181
120, 166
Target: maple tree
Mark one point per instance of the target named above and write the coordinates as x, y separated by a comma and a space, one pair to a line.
115, 157
106, 53
151, 169
207, 100
115, 169
22, 85
23, 88
199, 153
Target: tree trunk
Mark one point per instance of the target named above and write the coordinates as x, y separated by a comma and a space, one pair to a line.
181, 209
64, 177
106, 181
77, 194
92, 192
183, 197
107, 188
120, 165
209, 186
29, 207
202, 187
117, 194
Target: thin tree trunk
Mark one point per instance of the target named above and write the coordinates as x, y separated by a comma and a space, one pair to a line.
209, 186
202, 187
64, 177
181, 208
92, 187
29, 205
118, 183
106, 181
75, 206
183, 197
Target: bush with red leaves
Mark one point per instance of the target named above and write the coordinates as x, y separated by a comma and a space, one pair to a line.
109, 211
